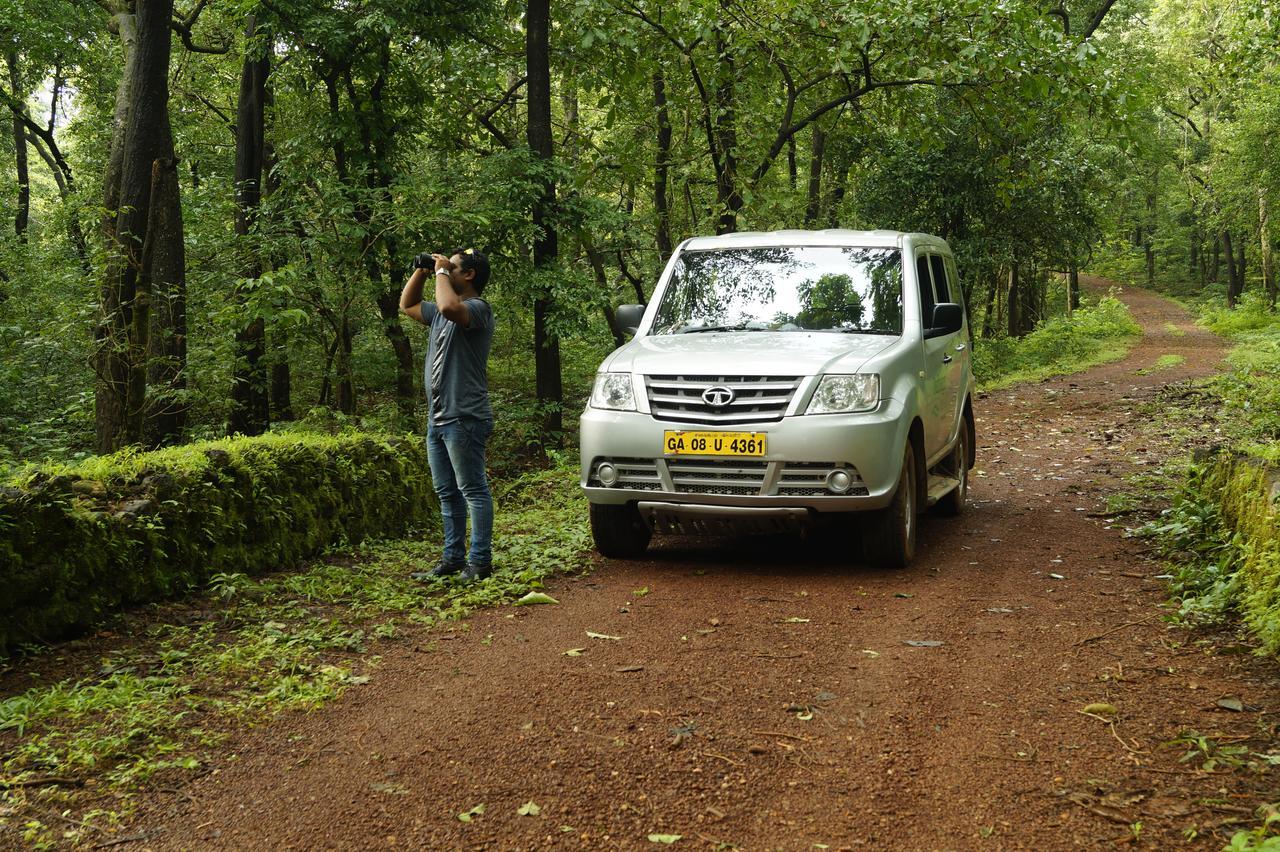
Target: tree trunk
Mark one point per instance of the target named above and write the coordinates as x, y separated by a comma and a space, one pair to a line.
988, 312
1235, 274
166, 262
1266, 257
1216, 264
661, 205
1073, 288
1014, 300
728, 199
124, 317
545, 245
22, 216
816, 151
837, 194
346, 376
250, 400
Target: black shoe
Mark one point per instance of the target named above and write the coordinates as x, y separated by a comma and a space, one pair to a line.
475, 572
444, 569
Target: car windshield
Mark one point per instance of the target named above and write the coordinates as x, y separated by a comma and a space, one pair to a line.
843, 289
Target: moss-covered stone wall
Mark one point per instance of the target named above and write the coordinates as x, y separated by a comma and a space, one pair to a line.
1247, 491
78, 542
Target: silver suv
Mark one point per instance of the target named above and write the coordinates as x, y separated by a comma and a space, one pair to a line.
780, 379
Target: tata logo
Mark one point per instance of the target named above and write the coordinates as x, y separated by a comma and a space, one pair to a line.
718, 396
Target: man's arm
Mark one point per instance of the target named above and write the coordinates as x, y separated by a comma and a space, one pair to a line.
411, 295
447, 301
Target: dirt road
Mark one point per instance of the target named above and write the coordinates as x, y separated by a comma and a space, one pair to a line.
768, 694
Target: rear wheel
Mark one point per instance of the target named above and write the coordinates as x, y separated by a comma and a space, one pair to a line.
619, 531
889, 537
958, 467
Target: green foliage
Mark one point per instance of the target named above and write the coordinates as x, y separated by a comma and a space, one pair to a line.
1222, 537
1249, 393
79, 541
1064, 344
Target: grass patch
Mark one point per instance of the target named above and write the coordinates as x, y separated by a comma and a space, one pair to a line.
1164, 362
1095, 334
116, 716
1173, 331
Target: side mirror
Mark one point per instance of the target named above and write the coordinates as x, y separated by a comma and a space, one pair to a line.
948, 318
629, 317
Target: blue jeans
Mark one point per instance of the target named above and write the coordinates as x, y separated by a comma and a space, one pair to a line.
455, 452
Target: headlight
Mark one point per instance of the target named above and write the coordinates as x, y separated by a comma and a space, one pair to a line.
844, 394
613, 391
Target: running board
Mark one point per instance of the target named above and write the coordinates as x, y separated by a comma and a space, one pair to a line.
940, 486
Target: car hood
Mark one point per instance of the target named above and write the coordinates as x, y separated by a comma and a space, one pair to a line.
759, 353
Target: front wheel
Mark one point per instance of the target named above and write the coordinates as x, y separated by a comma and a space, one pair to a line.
619, 531
889, 537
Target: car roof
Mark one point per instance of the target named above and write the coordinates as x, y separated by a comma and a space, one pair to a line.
826, 237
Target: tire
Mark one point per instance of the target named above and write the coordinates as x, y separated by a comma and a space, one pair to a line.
953, 504
889, 537
618, 531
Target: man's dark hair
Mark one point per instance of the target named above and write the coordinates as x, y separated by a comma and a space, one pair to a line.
475, 259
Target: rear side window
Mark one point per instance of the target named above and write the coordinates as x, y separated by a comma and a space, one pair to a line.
940, 287
927, 300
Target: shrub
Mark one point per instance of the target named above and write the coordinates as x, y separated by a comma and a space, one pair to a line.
1223, 535
79, 541
1058, 345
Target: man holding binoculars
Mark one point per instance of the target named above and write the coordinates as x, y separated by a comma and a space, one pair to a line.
459, 419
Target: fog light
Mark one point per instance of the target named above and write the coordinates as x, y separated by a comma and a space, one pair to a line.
608, 474
839, 481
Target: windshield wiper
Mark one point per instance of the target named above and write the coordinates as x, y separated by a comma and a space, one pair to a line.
864, 331
738, 327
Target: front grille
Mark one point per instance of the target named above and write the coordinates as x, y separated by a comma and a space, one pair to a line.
702, 477
757, 399
636, 474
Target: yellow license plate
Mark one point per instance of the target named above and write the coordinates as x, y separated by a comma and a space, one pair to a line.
746, 444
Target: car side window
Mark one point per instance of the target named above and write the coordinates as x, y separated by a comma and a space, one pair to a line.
926, 289
940, 284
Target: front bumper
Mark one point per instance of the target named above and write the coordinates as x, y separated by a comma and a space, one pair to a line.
802, 451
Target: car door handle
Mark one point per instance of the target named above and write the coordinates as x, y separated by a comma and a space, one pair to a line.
960, 347
946, 359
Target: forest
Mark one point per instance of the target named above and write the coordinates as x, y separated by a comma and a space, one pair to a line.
211, 205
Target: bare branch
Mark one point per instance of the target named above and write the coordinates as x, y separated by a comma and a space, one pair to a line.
1098, 16
1186, 119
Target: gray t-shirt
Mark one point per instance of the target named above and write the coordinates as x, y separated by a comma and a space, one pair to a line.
457, 359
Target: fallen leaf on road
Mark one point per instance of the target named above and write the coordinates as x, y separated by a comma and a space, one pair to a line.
795, 619
625, 669
1100, 709
536, 598
870, 653
665, 838
1057, 577
388, 787
591, 635
574, 652
924, 643
529, 809
1231, 702
904, 595
467, 816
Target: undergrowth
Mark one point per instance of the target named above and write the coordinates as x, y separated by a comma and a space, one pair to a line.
1095, 334
254, 647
